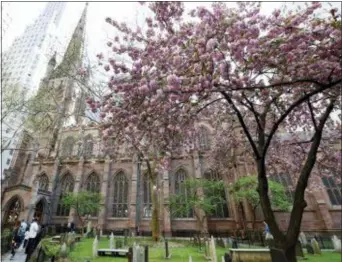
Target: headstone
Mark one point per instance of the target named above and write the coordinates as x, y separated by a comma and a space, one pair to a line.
207, 249
277, 255
299, 250
190, 259
64, 251
89, 227
138, 253
130, 254
146, 253
227, 257
269, 240
234, 244
302, 239
336, 243
309, 249
213, 250
315, 246
95, 246
111, 241
167, 253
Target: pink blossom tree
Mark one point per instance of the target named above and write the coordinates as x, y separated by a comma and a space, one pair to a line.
259, 75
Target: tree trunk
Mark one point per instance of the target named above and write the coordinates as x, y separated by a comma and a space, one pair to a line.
155, 212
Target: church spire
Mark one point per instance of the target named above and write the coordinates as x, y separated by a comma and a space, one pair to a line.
72, 59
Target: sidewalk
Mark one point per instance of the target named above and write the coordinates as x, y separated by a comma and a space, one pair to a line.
19, 256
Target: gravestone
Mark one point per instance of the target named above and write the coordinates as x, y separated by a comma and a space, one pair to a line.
138, 253
302, 239
206, 249
95, 246
220, 242
227, 257
336, 243
64, 251
190, 259
213, 250
309, 249
299, 250
167, 253
130, 255
269, 240
89, 227
234, 244
111, 241
315, 246
277, 255
146, 253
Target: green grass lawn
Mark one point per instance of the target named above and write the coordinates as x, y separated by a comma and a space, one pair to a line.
83, 252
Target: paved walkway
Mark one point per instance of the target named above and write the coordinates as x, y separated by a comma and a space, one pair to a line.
19, 256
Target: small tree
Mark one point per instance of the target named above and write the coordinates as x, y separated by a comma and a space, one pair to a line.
84, 203
246, 188
202, 205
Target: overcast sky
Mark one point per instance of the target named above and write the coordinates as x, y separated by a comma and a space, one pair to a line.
97, 31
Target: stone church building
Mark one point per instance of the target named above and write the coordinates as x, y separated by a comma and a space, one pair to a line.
73, 159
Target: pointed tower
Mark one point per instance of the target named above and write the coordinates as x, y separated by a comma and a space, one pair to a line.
72, 59
59, 94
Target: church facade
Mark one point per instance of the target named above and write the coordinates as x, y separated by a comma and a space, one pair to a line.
73, 159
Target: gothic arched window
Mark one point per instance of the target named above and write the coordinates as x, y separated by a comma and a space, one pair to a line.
147, 205
93, 183
120, 197
43, 182
221, 209
13, 211
88, 146
180, 178
67, 186
286, 181
68, 146
204, 138
333, 190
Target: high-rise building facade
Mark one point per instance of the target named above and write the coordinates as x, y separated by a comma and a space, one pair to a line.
6, 18
24, 64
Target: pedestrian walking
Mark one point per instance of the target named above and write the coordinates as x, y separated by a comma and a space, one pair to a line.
15, 239
34, 228
26, 238
22, 230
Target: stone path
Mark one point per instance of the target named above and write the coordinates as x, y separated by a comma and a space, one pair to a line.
19, 256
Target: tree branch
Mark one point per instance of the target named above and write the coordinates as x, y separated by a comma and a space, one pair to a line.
300, 204
291, 108
244, 127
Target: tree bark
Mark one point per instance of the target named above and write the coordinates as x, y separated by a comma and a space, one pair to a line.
155, 212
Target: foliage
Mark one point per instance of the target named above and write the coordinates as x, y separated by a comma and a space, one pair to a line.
50, 249
263, 77
83, 202
206, 202
246, 188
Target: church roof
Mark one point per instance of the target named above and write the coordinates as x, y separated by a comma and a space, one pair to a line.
72, 59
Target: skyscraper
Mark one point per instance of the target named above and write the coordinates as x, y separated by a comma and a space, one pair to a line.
24, 64
6, 18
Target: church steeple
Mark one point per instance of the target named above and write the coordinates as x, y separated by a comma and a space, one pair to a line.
72, 59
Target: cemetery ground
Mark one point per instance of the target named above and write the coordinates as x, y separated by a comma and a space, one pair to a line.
180, 250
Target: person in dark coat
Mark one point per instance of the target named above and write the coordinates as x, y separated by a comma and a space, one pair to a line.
16, 239
31, 244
